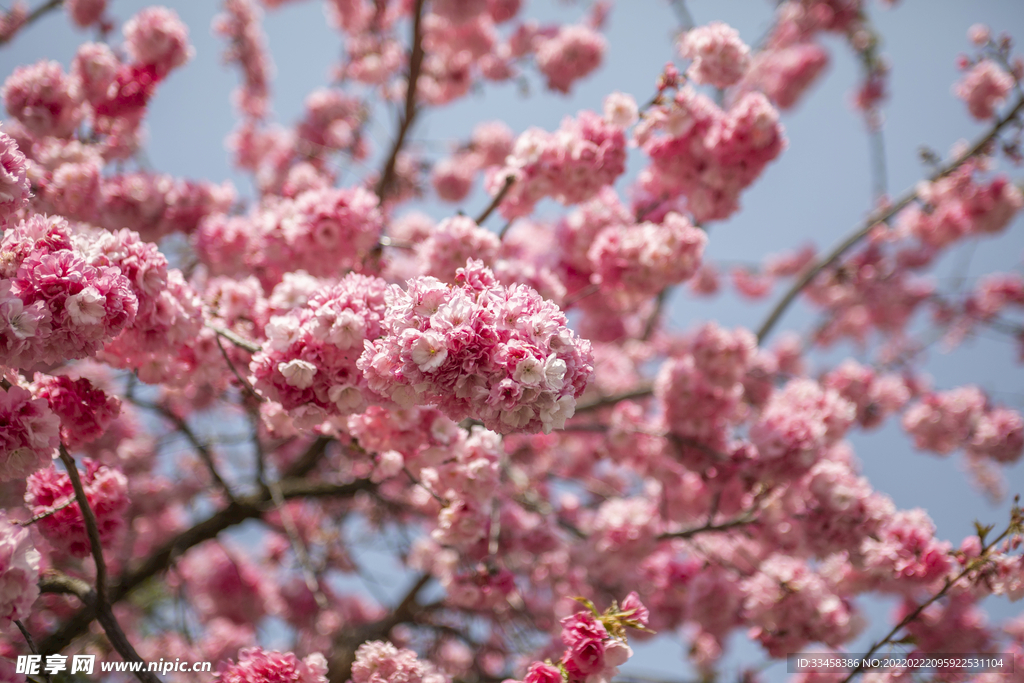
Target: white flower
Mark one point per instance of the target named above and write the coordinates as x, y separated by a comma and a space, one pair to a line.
86, 307
530, 371
429, 351
554, 372
345, 396
298, 373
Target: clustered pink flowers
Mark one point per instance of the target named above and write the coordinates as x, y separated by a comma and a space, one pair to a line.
50, 491
85, 412
256, 665
961, 418
570, 165
498, 354
19, 571
58, 305
984, 88
309, 363
30, 436
505, 411
706, 154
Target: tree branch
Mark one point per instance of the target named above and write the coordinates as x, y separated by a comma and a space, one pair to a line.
1016, 520
880, 216
102, 609
387, 178
510, 180
244, 508
34, 16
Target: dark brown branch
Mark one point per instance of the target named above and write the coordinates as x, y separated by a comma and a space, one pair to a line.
102, 609
91, 527
244, 508
202, 449
498, 198
241, 380
387, 178
880, 216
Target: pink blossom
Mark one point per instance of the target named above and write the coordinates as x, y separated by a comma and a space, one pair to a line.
905, 550
570, 165
632, 262
85, 412
572, 53
452, 178
311, 354
798, 422
791, 606
485, 335
719, 57
256, 665
85, 13
944, 421
984, 88
157, 37
225, 584
19, 572
14, 184
106, 489
381, 662
30, 436
999, 435
452, 243
40, 97
784, 74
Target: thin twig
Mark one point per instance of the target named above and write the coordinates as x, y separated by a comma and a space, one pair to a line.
976, 563
244, 508
33, 16
46, 514
91, 527
251, 347
606, 401
298, 547
241, 380
880, 216
409, 115
498, 198
201, 448
31, 645
104, 614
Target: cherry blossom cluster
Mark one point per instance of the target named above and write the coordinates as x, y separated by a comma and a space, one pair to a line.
706, 154
498, 354
635, 262
31, 433
57, 305
256, 665
19, 571
14, 183
701, 388
452, 177
570, 165
958, 206
309, 363
719, 57
50, 492
84, 411
320, 231
378, 661
595, 644
945, 421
